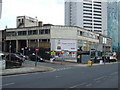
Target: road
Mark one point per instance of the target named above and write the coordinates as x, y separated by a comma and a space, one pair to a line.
105, 76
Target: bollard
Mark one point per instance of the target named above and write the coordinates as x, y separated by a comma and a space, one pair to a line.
89, 63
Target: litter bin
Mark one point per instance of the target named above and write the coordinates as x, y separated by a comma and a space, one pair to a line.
90, 63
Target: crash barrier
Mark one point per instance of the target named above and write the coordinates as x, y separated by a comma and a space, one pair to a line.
89, 63
13, 64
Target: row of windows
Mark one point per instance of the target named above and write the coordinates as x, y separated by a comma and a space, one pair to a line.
40, 40
91, 24
91, 20
87, 4
91, 17
87, 7
80, 33
30, 32
91, 27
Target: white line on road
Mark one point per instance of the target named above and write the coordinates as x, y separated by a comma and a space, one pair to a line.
89, 85
99, 78
78, 85
7, 84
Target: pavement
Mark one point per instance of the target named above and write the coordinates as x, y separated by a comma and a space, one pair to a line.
28, 68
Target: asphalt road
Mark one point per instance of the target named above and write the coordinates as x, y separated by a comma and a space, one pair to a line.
70, 77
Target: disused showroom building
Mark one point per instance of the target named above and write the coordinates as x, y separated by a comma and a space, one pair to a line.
55, 39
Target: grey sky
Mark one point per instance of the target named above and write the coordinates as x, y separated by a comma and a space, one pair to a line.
48, 11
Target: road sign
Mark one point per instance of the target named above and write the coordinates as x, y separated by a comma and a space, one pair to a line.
36, 49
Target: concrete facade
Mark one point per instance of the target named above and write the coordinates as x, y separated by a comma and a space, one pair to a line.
70, 39
25, 21
0, 7
0, 40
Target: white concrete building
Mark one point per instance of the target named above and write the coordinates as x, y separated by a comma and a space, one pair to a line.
0, 7
87, 14
25, 21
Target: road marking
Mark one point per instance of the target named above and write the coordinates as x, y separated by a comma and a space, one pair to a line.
99, 78
114, 73
7, 84
89, 85
57, 76
78, 85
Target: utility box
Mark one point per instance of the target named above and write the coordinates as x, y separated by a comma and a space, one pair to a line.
85, 59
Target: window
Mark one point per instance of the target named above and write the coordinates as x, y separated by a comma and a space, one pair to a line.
87, 7
97, 5
87, 13
29, 32
88, 23
47, 31
87, 17
97, 14
22, 33
87, 20
87, 10
41, 32
35, 32
97, 21
97, 11
97, 18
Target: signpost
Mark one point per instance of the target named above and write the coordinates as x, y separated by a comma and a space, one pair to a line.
36, 50
62, 56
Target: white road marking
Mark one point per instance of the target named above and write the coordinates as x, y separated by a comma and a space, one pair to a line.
7, 84
78, 85
99, 78
57, 76
89, 85
114, 73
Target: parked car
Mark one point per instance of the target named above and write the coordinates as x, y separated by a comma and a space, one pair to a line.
34, 57
2, 55
14, 57
21, 55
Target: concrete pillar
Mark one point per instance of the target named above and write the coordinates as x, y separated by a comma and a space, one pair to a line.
27, 43
38, 42
16, 45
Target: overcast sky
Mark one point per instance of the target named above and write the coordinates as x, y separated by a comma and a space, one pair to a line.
48, 11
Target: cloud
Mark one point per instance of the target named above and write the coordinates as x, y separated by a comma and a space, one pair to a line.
48, 11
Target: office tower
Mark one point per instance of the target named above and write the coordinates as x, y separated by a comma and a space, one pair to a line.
114, 24
88, 14
0, 7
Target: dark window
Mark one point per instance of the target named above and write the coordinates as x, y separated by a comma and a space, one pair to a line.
87, 27
97, 2
97, 18
98, 24
88, 23
42, 32
97, 11
97, 27
87, 17
87, 20
44, 40
47, 31
87, 4
22, 33
29, 32
97, 21
87, 10
97, 5
88, 13
97, 14
97, 8
35, 32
